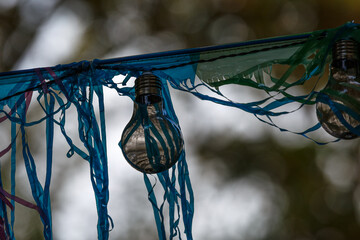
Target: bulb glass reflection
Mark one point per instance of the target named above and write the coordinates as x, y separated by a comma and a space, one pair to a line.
343, 89
151, 142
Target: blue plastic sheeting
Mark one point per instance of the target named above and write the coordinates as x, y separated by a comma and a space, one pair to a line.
197, 71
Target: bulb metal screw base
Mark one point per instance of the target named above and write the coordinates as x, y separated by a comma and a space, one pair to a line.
346, 49
147, 84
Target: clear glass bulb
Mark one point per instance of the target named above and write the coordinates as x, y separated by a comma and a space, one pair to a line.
343, 84
151, 142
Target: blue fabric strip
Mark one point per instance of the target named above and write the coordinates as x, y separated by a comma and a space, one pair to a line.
13, 172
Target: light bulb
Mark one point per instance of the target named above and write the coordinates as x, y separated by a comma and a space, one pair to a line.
343, 89
151, 142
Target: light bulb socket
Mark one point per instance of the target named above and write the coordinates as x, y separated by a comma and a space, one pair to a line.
147, 84
346, 49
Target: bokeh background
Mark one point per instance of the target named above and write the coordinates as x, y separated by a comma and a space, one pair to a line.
250, 180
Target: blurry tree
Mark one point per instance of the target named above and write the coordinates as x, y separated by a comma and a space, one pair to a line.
322, 205
317, 208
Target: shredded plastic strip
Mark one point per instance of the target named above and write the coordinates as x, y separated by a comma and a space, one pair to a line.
202, 72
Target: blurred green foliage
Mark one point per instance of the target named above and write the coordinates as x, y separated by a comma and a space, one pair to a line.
317, 209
